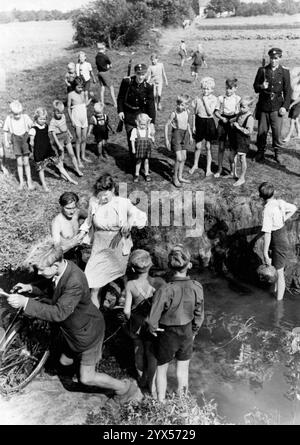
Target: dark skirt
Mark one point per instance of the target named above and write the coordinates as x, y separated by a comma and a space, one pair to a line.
143, 148
205, 129
241, 142
279, 247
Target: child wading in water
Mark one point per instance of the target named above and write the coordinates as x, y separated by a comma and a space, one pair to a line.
226, 112
99, 126
138, 300
176, 315
180, 138
60, 135
17, 125
204, 127
43, 153
77, 110
142, 139
155, 74
241, 132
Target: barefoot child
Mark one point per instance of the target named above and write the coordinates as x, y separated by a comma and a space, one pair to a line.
138, 299
85, 71
142, 140
70, 76
176, 315
2, 151
180, 138
182, 53
242, 129
104, 66
227, 109
99, 126
77, 110
155, 74
60, 135
294, 110
17, 125
204, 127
43, 153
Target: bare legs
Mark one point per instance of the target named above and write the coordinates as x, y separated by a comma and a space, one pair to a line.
73, 159
80, 145
112, 93
178, 169
280, 285
94, 296
197, 156
294, 124
182, 374
24, 161
243, 162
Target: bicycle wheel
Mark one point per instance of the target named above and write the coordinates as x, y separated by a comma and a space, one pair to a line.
23, 353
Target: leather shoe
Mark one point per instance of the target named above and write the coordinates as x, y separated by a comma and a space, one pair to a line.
277, 159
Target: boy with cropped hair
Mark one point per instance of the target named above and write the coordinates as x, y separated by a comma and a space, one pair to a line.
176, 315
60, 135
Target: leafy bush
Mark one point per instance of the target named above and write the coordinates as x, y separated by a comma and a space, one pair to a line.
112, 21
177, 410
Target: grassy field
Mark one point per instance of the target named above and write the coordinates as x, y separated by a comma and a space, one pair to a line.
38, 80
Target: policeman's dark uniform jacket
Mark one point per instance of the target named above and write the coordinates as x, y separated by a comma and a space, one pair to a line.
271, 99
135, 98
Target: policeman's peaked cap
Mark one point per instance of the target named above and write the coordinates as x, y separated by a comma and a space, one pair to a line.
275, 52
140, 68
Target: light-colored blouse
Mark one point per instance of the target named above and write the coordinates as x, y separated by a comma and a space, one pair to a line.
275, 213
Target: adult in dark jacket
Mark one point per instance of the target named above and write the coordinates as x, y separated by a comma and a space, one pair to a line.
135, 96
81, 323
273, 85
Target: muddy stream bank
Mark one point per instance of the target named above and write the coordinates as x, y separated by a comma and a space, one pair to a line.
242, 360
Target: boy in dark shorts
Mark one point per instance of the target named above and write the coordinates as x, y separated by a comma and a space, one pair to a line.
103, 64
177, 314
181, 137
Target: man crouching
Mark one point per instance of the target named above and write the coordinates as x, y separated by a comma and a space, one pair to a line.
81, 323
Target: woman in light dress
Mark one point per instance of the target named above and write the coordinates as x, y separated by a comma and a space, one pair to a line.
111, 218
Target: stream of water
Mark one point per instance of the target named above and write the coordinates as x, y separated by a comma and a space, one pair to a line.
242, 358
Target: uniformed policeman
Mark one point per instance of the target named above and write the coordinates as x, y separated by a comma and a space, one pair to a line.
135, 96
273, 85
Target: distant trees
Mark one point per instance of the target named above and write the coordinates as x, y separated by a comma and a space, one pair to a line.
241, 8
25, 16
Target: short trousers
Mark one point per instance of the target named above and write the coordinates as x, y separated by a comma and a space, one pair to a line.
225, 131
20, 145
53, 160
87, 85
91, 356
179, 139
279, 247
195, 68
63, 138
174, 342
157, 88
205, 129
295, 111
104, 78
79, 116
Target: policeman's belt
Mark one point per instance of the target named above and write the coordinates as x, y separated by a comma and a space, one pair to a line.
131, 107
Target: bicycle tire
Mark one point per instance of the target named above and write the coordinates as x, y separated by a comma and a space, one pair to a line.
17, 351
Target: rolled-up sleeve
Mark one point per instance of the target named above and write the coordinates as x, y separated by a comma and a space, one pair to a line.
136, 217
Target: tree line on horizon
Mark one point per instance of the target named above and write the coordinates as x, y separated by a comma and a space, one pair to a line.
243, 9
16, 15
